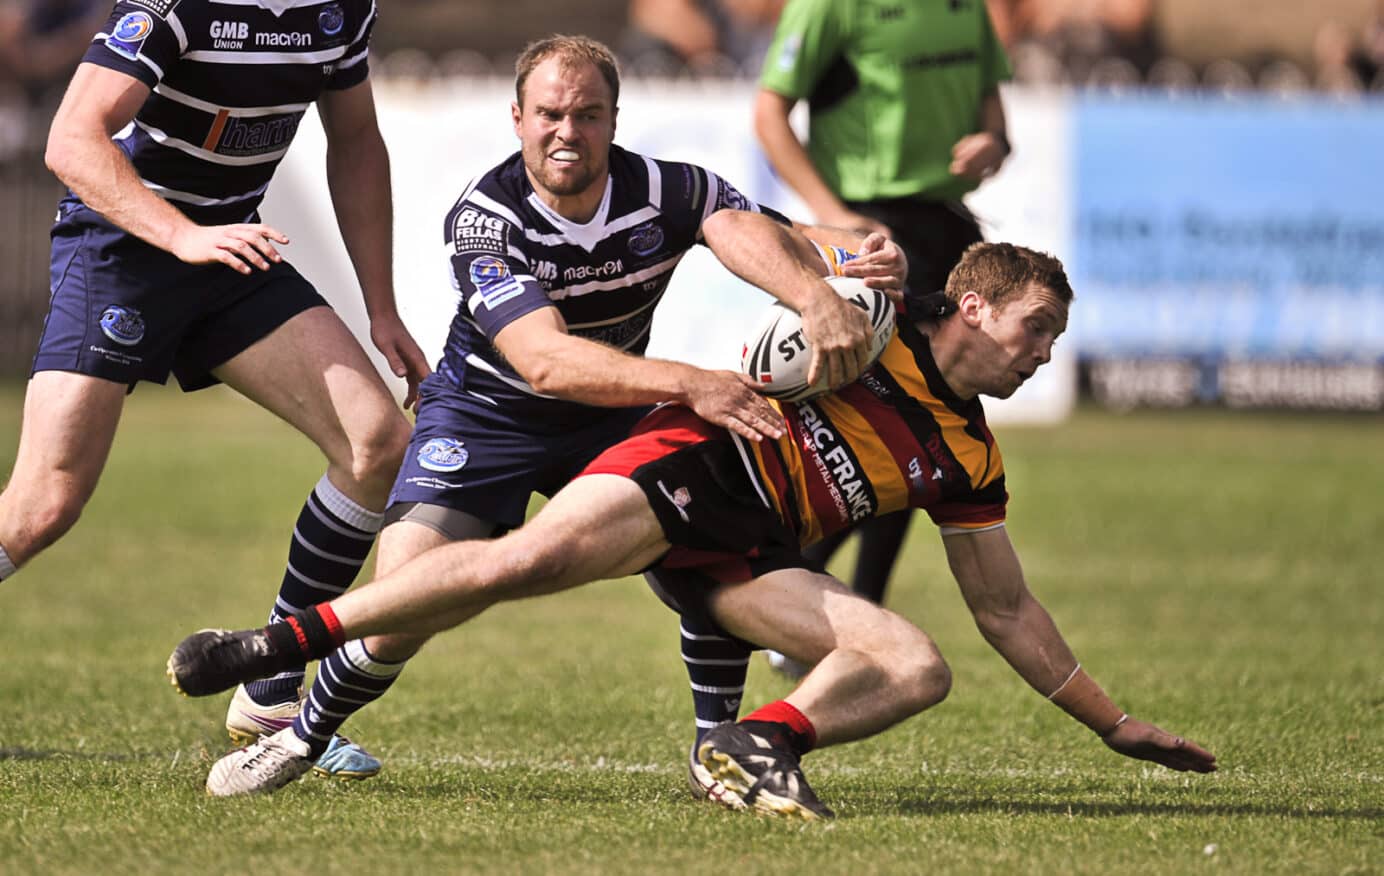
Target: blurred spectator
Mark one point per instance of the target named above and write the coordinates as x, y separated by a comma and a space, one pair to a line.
1284, 78
1172, 74
41, 41
1336, 57
718, 37
1081, 33
1227, 77
1371, 50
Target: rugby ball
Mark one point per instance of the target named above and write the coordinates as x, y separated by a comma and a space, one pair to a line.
777, 355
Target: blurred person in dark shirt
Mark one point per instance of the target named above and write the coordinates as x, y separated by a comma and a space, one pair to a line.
706, 35
41, 41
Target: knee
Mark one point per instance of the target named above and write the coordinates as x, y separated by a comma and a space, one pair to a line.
377, 454
922, 677
46, 518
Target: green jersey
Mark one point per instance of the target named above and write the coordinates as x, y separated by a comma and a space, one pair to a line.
891, 86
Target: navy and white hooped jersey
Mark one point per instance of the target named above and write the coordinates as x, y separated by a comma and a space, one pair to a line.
510, 255
231, 80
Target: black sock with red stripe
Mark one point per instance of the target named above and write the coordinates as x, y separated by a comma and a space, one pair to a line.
784, 726
312, 633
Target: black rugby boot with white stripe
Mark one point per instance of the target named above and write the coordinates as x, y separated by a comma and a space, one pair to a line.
210, 661
753, 773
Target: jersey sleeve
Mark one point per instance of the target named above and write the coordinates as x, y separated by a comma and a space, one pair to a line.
983, 508
808, 40
490, 270
354, 66
137, 40
715, 193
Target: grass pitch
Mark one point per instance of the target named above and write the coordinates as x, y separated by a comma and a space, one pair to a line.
1220, 574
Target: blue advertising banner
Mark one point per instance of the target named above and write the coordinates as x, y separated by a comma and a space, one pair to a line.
1212, 228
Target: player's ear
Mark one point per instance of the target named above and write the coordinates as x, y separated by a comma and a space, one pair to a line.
516, 115
970, 307
614, 117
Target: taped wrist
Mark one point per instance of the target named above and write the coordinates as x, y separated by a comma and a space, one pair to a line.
1083, 699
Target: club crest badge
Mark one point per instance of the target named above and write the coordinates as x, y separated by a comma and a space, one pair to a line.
645, 239
124, 325
443, 455
331, 20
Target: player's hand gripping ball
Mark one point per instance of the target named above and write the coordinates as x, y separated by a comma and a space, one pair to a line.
777, 354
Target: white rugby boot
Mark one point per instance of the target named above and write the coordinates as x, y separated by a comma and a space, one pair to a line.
247, 720
261, 767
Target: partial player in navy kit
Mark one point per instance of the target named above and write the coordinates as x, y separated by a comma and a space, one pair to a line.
167, 139
559, 256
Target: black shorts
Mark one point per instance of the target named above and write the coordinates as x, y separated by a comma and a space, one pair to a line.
932, 234
695, 479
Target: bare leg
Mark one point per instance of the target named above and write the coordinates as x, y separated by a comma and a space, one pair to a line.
873, 668
557, 550
313, 374
359, 673
69, 426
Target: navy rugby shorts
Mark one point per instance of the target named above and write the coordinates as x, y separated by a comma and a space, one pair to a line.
126, 311
474, 456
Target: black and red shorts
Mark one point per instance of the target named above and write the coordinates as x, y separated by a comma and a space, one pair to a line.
698, 486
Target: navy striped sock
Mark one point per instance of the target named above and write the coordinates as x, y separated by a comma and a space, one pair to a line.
347, 680
716, 669
6, 565
331, 540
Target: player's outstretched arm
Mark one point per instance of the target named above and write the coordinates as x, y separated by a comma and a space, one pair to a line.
562, 365
99, 102
358, 179
1016, 624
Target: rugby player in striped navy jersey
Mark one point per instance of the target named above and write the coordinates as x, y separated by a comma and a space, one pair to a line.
682, 494
559, 256
167, 139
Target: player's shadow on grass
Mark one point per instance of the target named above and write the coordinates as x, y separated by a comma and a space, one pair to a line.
16, 753
1105, 810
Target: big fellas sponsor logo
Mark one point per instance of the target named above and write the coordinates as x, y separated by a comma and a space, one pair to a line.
474, 231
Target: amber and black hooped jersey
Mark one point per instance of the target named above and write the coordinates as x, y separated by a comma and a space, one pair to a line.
510, 255
896, 438
231, 80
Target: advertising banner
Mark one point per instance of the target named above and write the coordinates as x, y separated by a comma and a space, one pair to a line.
1230, 250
